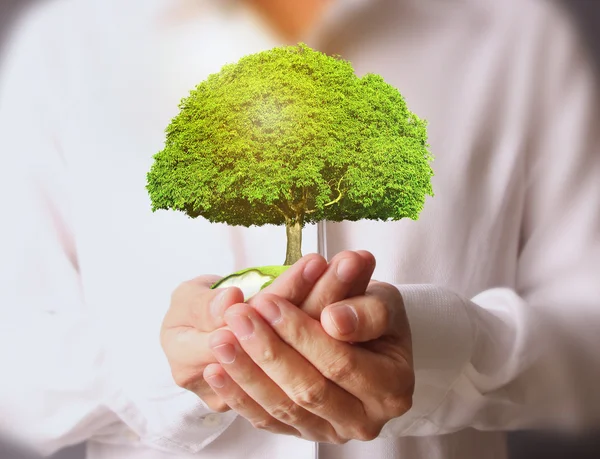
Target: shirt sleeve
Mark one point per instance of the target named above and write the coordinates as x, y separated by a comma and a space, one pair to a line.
59, 383
526, 356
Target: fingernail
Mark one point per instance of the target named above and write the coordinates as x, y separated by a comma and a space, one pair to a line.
270, 311
344, 318
313, 270
225, 353
344, 270
216, 305
216, 381
241, 325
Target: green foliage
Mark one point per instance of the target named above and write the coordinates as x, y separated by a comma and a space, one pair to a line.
292, 134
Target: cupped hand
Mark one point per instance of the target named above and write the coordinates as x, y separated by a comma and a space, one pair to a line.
195, 311
290, 373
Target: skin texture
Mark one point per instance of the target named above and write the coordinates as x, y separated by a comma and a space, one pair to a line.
288, 361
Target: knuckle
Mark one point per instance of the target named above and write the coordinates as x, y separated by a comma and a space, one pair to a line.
268, 424
389, 289
312, 396
380, 314
202, 389
241, 404
343, 368
221, 407
289, 290
395, 299
387, 292
408, 404
294, 290
300, 334
268, 355
366, 431
399, 401
397, 406
267, 297
184, 379
216, 404
287, 412
338, 440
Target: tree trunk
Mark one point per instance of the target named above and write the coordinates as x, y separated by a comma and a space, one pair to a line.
293, 229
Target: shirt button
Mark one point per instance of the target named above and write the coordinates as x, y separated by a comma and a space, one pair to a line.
211, 420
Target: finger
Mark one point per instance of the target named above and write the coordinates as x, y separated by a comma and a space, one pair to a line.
300, 380
188, 352
214, 402
254, 382
336, 283
359, 286
379, 312
194, 304
233, 396
355, 369
296, 282
194, 309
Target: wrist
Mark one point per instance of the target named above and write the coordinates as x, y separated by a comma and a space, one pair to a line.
443, 337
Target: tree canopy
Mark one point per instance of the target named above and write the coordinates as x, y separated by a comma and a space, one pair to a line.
293, 135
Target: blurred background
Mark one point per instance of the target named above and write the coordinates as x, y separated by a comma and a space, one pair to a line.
523, 445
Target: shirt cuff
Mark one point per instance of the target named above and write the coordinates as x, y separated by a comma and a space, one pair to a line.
162, 415
174, 421
443, 337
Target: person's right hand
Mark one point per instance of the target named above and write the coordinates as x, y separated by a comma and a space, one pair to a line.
196, 310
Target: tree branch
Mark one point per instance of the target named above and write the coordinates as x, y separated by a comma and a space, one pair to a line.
291, 201
304, 201
339, 195
299, 209
279, 210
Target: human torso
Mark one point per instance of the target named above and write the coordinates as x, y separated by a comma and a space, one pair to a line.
126, 75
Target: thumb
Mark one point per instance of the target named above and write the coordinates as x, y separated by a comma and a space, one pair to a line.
378, 313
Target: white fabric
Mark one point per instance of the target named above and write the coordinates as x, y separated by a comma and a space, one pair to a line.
499, 275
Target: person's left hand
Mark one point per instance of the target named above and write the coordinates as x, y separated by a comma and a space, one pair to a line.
289, 371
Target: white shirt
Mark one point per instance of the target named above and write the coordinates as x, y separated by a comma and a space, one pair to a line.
500, 276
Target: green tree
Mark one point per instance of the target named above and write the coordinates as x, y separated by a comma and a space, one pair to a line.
291, 136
